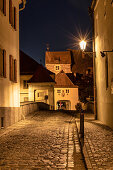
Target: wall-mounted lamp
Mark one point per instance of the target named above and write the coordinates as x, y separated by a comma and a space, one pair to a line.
103, 53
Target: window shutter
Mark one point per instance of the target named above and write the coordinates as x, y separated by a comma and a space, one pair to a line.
4, 7
15, 70
4, 63
11, 67
14, 18
10, 11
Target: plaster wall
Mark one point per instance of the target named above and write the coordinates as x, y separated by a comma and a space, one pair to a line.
72, 96
45, 88
9, 40
24, 92
103, 28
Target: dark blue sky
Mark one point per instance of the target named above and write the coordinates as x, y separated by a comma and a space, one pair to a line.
52, 22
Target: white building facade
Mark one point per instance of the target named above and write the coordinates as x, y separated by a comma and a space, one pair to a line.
103, 41
9, 61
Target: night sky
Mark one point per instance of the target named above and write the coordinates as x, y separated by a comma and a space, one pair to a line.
53, 22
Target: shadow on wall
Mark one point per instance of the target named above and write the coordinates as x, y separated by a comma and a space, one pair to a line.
43, 106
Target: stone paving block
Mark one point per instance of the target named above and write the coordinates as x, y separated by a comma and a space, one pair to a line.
44, 140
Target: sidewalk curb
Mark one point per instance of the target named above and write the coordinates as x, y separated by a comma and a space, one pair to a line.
83, 151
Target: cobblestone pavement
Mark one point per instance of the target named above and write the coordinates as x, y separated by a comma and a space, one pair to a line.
98, 144
44, 140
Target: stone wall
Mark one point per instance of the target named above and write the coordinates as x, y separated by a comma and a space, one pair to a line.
11, 115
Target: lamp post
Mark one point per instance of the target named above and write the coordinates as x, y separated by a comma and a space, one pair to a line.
83, 46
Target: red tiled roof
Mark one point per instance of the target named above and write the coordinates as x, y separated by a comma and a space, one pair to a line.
27, 64
41, 75
62, 80
58, 57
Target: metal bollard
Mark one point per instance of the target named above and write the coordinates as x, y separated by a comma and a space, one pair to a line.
82, 125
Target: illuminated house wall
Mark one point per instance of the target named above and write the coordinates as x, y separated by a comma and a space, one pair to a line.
9, 60
103, 29
24, 89
65, 92
42, 92
66, 95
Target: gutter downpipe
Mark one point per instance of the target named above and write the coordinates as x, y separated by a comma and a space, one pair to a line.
91, 13
24, 3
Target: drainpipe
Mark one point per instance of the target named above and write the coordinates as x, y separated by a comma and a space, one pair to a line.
91, 13
24, 3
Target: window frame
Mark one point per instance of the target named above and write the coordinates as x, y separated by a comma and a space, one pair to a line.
3, 63
3, 8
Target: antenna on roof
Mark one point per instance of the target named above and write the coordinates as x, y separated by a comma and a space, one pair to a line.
47, 47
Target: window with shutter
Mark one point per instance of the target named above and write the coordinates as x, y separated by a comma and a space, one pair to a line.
12, 15
10, 12
3, 6
15, 70
2, 63
12, 69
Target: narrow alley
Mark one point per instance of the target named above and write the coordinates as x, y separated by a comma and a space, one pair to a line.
44, 140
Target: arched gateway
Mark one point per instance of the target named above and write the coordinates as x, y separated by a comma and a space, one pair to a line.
64, 104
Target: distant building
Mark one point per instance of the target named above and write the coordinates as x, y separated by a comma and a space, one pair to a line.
65, 92
9, 62
81, 63
28, 66
36, 82
102, 11
57, 61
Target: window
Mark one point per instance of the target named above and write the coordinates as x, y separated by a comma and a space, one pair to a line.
2, 63
12, 14
67, 90
25, 85
57, 67
3, 6
58, 91
12, 69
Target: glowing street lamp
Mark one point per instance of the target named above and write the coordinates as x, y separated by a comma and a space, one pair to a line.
82, 45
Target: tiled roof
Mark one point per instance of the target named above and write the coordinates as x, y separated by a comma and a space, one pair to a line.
81, 62
41, 75
62, 80
27, 64
58, 57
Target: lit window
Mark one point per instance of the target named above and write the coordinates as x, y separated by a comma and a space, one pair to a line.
13, 69
2, 63
67, 90
3, 6
12, 14
57, 67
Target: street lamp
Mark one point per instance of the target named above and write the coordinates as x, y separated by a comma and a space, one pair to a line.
83, 46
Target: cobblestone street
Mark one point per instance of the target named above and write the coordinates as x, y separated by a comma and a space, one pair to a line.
44, 140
